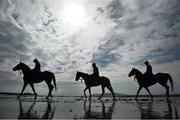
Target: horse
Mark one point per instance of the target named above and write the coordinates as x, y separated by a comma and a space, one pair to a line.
90, 82
31, 77
160, 78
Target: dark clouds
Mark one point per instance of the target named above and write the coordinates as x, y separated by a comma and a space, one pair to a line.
152, 25
115, 9
14, 42
105, 55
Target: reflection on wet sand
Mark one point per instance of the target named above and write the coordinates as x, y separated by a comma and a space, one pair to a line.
147, 111
30, 114
105, 114
78, 108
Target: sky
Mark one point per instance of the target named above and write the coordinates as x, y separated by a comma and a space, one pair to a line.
67, 36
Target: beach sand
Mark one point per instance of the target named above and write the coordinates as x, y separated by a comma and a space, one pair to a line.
80, 108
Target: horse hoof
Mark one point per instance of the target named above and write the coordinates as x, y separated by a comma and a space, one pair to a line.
18, 97
168, 101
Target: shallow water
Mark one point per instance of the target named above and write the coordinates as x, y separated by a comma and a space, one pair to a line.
78, 107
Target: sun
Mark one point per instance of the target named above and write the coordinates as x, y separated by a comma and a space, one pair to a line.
74, 15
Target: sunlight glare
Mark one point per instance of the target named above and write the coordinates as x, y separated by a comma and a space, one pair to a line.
74, 15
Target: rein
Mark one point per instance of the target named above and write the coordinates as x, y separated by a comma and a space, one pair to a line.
135, 79
81, 80
20, 72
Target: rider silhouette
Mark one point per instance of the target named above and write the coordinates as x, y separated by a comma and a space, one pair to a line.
37, 67
95, 74
148, 74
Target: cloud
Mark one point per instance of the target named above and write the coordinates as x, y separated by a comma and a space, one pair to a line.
115, 9
105, 55
145, 29
14, 46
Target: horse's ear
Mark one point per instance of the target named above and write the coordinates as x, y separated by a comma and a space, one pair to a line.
20, 62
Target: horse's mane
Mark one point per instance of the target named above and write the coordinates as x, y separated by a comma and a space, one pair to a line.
138, 70
83, 73
26, 66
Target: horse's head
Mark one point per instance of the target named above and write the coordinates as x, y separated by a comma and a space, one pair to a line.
18, 66
132, 72
77, 76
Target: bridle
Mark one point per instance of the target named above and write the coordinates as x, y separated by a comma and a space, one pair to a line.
20, 72
135, 79
81, 80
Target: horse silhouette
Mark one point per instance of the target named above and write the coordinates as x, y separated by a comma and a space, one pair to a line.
160, 78
31, 77
103, 81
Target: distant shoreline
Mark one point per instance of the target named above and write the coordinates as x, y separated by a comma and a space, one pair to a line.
94, 95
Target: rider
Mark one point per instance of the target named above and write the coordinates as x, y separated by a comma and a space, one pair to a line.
148, 72
37, 67
95, 74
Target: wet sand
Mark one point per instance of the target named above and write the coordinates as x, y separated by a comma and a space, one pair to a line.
80, 108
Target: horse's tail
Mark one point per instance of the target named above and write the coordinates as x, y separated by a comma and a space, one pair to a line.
171, 81
54, 82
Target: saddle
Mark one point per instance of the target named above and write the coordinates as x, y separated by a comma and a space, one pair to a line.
148, 76
36, 74
94, 77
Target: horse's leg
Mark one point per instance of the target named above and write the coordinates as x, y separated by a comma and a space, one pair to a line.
111, 90
85, 92
51, 89
164, 84
50, 86
24, 86
167, 91
32, 86
149, 93
89, 92
103, 90
140, 87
